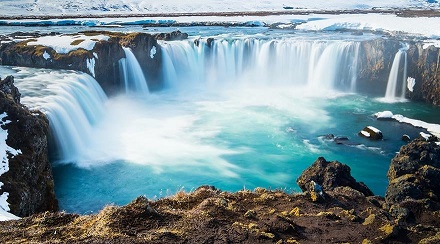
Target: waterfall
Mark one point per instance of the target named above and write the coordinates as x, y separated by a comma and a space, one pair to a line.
394, 91
132, 74
315, 64
73, 103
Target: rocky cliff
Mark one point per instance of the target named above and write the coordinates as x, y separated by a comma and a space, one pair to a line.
105, 56
29, 180
375, 60
414, 180
423, 64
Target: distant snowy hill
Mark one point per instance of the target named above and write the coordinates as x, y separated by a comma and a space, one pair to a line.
80, 7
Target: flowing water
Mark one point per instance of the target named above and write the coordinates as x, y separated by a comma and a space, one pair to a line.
242, 113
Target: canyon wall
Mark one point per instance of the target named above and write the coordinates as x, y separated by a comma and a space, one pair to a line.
29, 180
375, 60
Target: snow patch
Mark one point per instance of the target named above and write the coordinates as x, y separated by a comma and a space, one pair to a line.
431, 128
377, 131
410, 83
384, 115
373, 22
428, 43
366, 134
425, 135
66, 43
46, 55
4, 167
79, 7
153, 52
91, 66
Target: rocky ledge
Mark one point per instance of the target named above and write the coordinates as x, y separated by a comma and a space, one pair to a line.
29, 180
334, 208
102, 61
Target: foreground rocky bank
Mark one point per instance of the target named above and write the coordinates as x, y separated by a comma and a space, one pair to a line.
334, 208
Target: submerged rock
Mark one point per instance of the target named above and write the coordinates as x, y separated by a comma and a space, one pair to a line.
330, 175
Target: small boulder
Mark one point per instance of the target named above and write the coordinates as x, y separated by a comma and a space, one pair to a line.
406, 138
371, 133
329, 175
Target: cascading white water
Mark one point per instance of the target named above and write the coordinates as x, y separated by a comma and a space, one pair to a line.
316, 64
131, 74
73, 103
394, 91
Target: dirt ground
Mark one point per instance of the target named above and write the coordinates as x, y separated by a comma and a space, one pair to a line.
208, 215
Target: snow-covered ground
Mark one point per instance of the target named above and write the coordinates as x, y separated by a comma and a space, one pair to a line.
66, 43
69, 7
4, 167
420, 26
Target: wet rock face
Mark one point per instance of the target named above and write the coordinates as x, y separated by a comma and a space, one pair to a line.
29, 180
414, 175
172, 36
330, 175
424, 66
105, 56
8, 88
148, 53
375, 61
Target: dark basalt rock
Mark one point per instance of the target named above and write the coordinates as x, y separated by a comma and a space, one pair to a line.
29, 180
172, 36
423, 66
8, 88
141, 45
371, 133
414, 175
330, 175
375, 61
406, 138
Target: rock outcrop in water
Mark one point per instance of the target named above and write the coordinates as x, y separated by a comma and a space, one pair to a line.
330, 175
29, 180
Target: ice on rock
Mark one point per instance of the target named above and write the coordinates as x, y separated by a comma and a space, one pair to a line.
410, 83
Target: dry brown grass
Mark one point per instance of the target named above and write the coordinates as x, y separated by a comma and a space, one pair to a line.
76, 42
